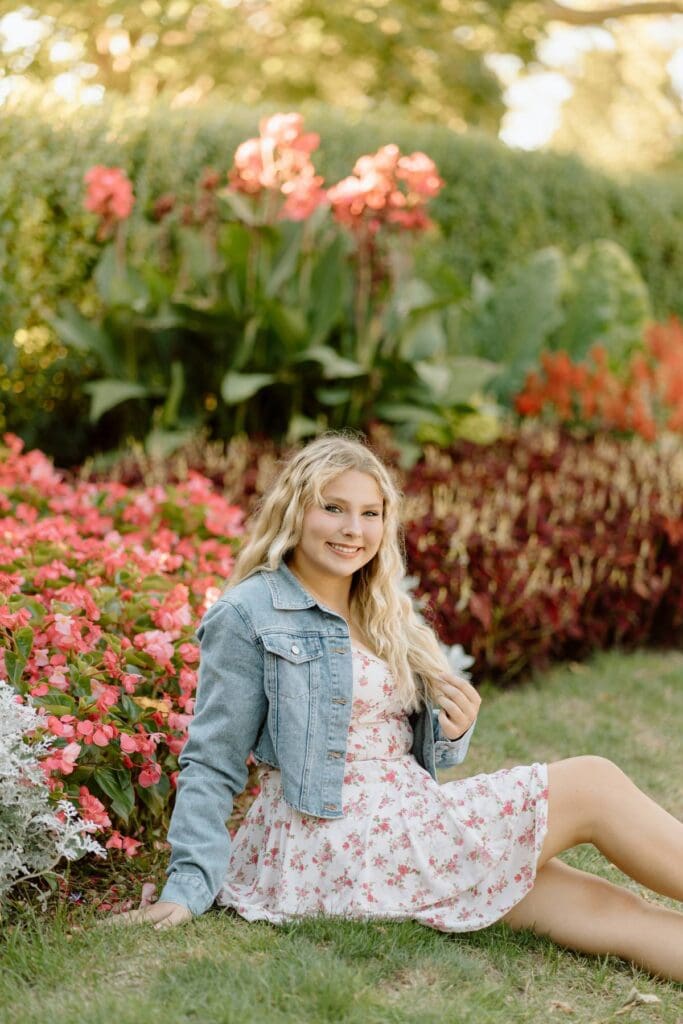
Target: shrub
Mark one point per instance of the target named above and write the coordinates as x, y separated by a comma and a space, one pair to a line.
644, 397
101, 587
543, 547
35, 833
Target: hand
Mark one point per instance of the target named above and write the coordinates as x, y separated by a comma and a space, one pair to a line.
163, 914
459, 702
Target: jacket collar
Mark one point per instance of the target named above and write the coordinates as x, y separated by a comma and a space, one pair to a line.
286, 591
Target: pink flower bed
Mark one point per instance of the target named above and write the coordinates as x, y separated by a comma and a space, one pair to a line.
101, 588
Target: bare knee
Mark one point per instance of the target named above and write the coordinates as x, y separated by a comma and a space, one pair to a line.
582, 794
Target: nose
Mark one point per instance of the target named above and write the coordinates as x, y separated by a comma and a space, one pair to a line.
352, 525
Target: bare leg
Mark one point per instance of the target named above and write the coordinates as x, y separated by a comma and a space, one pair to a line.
589, 914
590, 800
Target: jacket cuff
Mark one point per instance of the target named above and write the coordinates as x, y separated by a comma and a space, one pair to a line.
448, 753
188, 890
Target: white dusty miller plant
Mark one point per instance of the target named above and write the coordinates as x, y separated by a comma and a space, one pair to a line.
34, 833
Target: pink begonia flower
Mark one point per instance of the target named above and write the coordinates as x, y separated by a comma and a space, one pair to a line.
14, 620
150, 774
175, 743
179, 722
62, 761
157, 643
128, 743
118, 842
61, 726
85, 729
106, 695
189, 652
92, 809
103, 734
58, 680
109, 193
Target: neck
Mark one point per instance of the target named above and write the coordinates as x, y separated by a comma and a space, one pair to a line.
332, 592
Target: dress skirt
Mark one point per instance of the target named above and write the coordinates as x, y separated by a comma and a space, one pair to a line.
456, 856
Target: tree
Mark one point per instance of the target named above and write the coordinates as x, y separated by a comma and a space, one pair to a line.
430, 57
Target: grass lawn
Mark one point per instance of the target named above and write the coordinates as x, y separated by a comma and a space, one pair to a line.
60, 969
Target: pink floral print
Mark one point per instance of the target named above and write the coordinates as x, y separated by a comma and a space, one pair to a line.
456, 856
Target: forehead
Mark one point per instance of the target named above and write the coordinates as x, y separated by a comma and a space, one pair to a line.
353, 485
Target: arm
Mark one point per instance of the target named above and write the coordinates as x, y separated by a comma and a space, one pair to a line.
229, 711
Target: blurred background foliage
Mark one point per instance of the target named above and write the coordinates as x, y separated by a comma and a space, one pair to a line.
445, 61
515, 244
533, 250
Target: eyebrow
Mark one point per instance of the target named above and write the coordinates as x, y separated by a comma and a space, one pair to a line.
341, 501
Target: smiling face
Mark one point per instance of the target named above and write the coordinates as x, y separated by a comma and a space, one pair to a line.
341, 535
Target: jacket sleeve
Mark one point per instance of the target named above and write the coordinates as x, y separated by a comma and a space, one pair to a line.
448, 753
230, 708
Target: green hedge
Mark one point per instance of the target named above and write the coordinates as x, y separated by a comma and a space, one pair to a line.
497, 205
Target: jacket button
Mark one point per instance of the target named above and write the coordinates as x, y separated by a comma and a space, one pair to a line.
295, 649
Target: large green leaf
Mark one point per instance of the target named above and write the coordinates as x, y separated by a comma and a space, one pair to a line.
332, 363
423, 336
511, 321
237, 387
331, 289
285, 267
289, 323
241, 207
606, 301
105, 394
459, 380
86, 336
119, 284
117, 785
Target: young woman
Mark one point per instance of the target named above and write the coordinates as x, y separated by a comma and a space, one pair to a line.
314, 659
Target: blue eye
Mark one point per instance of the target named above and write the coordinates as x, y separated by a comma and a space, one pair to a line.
332, 508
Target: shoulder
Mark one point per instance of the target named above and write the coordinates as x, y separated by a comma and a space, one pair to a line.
245, 601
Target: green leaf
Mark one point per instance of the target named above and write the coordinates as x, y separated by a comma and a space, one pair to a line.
14, 665
117, 784
241, 207
400, 412
237, 387
332, 396
606, 301
288, 322
24, 640
301, 426
459, 379
285, 268
85, 335
333, 364
245, 346
162, 443
331, 290
107, 393
119, 284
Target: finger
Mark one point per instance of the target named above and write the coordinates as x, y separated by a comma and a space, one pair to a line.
177, 916
453, 699
464, 686
464, 695
450, 729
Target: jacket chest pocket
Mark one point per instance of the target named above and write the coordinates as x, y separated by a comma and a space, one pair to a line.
292, 665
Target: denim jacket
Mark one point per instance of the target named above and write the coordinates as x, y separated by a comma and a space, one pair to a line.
276, 679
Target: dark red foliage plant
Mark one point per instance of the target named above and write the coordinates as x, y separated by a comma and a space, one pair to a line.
543, 547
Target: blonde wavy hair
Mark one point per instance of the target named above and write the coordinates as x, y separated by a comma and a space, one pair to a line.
380, 608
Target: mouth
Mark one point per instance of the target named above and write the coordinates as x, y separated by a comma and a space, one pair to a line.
345, 550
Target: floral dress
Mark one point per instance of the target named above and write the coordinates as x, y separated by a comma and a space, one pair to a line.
456, 856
